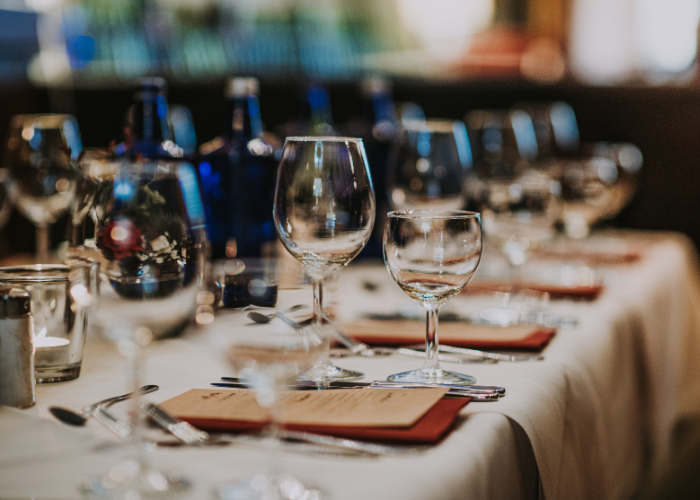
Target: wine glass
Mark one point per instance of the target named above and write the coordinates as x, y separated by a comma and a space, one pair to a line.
519, 214
429, 164
324, 212
519, 202
432, 256
270, 360
149, 239
41, 159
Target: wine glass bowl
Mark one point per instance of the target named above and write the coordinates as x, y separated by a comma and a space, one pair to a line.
428, 165
269, 358
519, 215
432, 256
324, 213
41, 158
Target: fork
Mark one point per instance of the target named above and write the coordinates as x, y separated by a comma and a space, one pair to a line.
189, 434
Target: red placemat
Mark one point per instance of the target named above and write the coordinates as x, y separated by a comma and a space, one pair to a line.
404, 332
431, 428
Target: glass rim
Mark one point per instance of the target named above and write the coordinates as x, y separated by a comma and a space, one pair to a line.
35, 273
322, 138
433, 214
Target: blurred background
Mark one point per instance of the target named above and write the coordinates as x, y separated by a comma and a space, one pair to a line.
628, 68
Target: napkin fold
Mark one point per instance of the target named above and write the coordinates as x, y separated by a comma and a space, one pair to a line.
429, 429
403, 332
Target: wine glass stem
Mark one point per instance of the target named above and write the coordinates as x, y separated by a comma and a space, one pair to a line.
132, 349
42, 243
272, 432
318, 319
432, 345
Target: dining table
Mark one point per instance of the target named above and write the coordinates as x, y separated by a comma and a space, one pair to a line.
593, 419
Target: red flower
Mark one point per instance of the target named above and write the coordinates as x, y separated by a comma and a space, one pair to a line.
122, 237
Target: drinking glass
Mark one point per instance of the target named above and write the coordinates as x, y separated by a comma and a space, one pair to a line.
269, 360
429, 165
149, 239
41, 159
324, 212
432, 256
519, 214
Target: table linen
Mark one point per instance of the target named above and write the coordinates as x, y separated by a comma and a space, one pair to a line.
591, 421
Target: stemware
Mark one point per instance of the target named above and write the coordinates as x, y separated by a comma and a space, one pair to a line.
149, 239
517, 199
41, 158
270, 360
429, 164
432, 256
519, 214
324, 212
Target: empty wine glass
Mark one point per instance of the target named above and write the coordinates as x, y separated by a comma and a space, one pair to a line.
41, 159
148, 238
519, 214
429, 164
324, 212
270, 360
432, 256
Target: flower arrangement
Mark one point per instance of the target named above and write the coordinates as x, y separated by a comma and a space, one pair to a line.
142, 237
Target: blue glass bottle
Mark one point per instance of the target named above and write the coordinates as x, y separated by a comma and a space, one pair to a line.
147, 131
237, 172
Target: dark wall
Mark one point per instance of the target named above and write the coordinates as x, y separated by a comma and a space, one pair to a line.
663, 121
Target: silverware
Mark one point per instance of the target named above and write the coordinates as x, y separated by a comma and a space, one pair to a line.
189, 434
124, 430
266, 318
70, 417
120, 428
477, 392
363, 349
492, 355
530, 318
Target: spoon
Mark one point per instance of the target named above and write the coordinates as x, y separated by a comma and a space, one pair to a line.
70, 417
266, 318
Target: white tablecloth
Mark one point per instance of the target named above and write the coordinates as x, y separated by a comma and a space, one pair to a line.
590, 421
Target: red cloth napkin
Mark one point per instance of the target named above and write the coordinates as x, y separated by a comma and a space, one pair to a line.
405, 332
431, 428
589, 258
555, 291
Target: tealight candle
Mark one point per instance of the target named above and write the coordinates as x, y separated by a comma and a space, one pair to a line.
40, 342
50, 351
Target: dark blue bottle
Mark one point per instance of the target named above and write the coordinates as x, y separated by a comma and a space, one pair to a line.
147, 132
237, 172
376, 125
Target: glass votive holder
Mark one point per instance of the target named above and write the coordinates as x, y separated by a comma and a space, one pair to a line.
59, 313
245, 282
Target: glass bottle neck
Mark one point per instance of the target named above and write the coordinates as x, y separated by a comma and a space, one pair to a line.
243, 118
150, 120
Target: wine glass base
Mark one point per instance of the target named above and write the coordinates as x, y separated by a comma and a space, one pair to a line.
432, 376
268, 487
321, 373
127, 481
